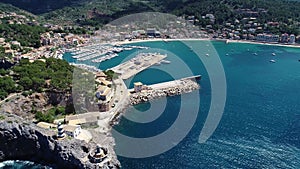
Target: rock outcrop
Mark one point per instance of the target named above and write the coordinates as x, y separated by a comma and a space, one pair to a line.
24, 106
25, 141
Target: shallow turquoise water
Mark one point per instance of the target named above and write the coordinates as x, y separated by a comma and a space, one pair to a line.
260, 126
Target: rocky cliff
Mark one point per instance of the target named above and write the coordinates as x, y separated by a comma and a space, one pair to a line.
24, 141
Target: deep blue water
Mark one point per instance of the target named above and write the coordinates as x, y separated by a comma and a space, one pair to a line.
260, 127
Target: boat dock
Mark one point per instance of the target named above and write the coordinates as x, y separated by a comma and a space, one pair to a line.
139, 63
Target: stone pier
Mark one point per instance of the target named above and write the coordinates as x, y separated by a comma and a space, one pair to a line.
171, 88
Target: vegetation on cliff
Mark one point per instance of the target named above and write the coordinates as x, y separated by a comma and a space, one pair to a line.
42, 75
51, 114
27, 35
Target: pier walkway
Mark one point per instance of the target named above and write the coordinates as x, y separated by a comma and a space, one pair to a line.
138, 64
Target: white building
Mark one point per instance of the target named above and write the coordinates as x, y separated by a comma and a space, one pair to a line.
292, 39
72, 130
267, 38
138, 86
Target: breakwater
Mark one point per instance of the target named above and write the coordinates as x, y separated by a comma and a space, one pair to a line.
171, 88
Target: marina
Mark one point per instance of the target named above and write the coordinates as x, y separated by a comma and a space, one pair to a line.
104, 58
104, 52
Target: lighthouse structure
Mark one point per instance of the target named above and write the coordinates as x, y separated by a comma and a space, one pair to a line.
60, 131
99, 155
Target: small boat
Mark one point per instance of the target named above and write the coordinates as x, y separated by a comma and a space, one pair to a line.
255, 54
165, 62
207, 55
274, 54
273, 61
157, 64
227, 54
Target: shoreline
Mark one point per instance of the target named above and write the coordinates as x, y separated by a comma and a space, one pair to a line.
264, 43
208, 39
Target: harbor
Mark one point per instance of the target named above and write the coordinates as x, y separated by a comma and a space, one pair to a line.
101, 52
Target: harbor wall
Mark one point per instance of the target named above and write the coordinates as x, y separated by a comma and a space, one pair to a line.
171, 88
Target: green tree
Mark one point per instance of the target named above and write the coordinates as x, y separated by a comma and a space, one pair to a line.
26, 82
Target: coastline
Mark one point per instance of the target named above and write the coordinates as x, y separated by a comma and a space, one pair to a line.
264, 43
208, 39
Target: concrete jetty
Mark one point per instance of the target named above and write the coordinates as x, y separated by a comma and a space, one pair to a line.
139, 63
146, 93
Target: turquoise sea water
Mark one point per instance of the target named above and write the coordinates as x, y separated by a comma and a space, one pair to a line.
260, 127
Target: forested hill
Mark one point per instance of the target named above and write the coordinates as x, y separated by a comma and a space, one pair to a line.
42, 6
45, 6
97, 12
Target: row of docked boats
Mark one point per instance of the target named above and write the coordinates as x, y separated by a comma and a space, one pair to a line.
105, 52
104, 58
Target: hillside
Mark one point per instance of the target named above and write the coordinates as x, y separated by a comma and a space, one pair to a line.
39, 7
10, 8
95, 12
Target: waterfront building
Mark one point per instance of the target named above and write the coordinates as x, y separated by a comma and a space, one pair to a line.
72, 130
138, 86
153, 33
292, 39
274, 38
267, 38
284, 38
141, 34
